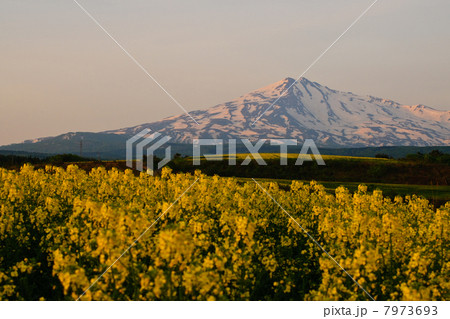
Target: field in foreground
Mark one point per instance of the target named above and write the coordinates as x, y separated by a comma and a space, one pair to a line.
436, 195
222, 240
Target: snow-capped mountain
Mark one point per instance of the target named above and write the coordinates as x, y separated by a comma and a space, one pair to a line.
307, 110
310, 110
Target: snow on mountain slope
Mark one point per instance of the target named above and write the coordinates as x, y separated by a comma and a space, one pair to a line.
310, 110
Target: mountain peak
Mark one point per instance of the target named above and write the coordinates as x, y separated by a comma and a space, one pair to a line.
282, 85
288, 82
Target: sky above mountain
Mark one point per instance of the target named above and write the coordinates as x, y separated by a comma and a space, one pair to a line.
59, 72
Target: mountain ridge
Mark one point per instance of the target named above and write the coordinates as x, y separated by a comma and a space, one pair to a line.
307, 110
310, 110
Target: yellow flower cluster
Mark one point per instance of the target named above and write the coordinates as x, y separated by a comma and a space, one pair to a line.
222, 240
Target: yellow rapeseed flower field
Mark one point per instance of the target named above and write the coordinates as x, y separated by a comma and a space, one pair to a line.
222, 240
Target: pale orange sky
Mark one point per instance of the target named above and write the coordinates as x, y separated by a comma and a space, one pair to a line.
59, 72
